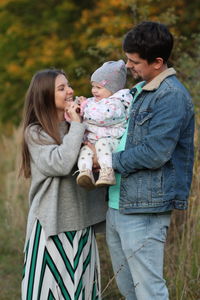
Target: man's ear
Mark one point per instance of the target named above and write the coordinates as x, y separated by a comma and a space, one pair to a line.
158, 63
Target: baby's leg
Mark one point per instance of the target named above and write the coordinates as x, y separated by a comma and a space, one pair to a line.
85, 158
85, 177
104, 148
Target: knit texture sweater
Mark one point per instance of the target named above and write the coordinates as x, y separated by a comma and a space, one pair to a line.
54, 197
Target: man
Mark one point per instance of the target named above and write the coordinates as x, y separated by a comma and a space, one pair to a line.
153, 165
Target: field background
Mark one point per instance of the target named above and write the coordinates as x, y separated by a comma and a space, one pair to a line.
182, 261
78, 38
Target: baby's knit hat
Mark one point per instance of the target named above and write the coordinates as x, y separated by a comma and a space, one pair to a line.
111, 75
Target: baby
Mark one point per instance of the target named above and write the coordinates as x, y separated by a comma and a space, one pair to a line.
105, 116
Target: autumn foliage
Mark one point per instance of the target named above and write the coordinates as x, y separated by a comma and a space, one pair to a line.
77, 37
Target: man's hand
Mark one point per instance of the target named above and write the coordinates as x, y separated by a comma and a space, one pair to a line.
96, 165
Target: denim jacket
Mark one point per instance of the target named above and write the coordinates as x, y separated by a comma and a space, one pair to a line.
156, 165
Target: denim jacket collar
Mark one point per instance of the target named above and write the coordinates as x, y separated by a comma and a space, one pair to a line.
155, 83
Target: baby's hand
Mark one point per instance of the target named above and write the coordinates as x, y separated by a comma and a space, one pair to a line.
72, 112
81, 99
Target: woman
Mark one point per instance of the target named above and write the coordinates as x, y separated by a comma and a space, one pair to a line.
61, 256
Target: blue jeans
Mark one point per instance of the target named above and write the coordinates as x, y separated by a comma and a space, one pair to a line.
136, 245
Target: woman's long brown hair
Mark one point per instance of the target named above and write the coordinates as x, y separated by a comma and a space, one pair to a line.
39, 109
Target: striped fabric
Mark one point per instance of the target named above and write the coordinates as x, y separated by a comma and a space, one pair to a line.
65, 266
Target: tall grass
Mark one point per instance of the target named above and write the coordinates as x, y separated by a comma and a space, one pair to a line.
182, 257
13, 213
183, 245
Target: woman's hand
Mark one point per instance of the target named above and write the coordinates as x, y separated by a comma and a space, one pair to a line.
72, 110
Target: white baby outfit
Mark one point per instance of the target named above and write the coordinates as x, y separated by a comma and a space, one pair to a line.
105, 121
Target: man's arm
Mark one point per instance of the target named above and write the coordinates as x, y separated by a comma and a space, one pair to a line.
156, 148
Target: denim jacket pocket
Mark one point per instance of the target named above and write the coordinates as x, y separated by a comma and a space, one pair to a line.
141, 126
143, 117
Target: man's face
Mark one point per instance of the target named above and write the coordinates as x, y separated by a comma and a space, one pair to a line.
140, 68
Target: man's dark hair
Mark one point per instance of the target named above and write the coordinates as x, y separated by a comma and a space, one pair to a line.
149, 40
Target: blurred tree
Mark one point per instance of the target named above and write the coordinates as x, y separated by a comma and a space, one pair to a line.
34, 35
78, 37
101, 30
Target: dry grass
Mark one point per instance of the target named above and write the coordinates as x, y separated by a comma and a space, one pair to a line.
182, 262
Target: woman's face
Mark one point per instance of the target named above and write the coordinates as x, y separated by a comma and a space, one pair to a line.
63, 94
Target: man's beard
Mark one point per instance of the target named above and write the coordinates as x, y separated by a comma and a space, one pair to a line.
135, 75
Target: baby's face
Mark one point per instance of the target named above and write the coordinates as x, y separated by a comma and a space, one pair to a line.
99, 91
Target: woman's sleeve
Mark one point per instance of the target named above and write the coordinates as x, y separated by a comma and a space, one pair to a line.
57, 160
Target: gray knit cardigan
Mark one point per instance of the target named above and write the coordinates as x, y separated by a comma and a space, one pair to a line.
54, 197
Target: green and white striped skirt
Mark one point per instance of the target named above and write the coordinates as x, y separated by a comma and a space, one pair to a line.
65, 266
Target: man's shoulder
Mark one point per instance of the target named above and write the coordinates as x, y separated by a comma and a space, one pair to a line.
174, 86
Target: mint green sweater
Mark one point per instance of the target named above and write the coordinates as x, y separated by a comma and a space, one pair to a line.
55, 199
